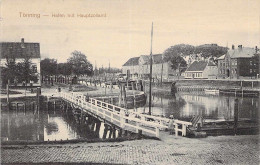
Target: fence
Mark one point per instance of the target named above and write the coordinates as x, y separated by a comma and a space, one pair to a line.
123, 118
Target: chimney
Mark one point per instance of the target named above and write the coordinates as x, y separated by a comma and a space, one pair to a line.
233, 47
22, 43
240, 46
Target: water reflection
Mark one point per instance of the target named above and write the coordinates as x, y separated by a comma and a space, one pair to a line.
185, 105
51, 125
56, 124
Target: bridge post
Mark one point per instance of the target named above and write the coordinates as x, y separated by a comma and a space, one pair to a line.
183, 130
90, 99
138, 127
111, 117
122, 120
157, 132
113, 108
111, 101
96, 102
176, 129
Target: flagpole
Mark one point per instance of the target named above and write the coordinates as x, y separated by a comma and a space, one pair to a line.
151, 70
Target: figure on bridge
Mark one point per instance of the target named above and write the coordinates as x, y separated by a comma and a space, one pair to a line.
171, 125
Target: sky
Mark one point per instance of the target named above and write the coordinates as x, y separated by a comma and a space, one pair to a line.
124, 30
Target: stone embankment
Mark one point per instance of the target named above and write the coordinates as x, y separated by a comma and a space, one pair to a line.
178, 150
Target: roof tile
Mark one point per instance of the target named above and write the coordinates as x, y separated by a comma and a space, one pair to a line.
197, 66
15, 49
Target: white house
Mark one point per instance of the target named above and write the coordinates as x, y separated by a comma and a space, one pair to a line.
140, 67
18, 50
201, 70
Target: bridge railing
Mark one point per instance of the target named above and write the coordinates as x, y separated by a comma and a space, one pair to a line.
124, 118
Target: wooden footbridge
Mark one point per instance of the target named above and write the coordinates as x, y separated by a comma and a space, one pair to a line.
123, 118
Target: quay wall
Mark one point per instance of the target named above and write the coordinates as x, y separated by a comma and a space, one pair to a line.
209, 84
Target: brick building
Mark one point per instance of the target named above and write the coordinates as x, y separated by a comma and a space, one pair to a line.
238, 63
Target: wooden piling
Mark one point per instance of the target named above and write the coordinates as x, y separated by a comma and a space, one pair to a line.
38, 93
110, 132
114, 131
7, 92
125, 132
105, 131
124, 96
235, 116
120, 95
132, 84
120, 132
92, 126
139, 133
98, 124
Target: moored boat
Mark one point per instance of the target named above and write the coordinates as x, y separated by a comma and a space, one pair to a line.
211, 91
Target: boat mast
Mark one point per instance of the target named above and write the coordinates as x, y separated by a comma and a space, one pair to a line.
151, 66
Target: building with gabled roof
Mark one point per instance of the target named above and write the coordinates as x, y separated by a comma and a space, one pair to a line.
238, 63
19, 51
140, 67
132, 61
201, 70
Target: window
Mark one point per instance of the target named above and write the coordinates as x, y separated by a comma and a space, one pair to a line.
251, 70
34, 68
251, 62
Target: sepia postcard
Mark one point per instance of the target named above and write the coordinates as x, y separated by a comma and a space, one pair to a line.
130, 81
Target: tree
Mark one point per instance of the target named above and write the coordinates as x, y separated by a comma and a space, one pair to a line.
48, 66
25, 71
178, 63
64, 69
10, 71
175, 55
178, 50
80, 64
210, 50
